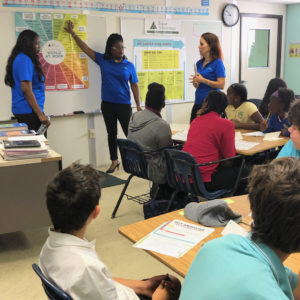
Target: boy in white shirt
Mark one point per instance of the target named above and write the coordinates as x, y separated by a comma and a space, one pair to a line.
70, 261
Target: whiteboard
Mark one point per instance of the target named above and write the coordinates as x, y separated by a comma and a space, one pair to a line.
191, 31
57, 102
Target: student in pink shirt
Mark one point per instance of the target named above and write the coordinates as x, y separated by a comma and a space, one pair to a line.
211, 138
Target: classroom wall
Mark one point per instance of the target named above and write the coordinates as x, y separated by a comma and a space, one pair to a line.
292, 65
70, 136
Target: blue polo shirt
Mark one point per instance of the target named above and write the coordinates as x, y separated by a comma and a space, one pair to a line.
233, 267
115, 77
213, 70
24, 70
275, 124
289, 150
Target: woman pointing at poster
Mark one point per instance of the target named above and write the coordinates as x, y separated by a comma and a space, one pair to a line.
116, 72
209, 71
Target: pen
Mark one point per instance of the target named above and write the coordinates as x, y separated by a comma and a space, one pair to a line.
267, 118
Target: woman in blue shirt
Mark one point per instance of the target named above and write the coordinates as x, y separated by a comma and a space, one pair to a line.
116, 71
25, 77
210, 70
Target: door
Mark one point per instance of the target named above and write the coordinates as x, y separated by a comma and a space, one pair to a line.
260, 52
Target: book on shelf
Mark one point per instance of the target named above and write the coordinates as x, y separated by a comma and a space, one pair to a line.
13, 127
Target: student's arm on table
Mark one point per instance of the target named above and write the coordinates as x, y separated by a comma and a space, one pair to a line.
296, 291
136, 94
256, 117
26, 88
82, 45
159, 287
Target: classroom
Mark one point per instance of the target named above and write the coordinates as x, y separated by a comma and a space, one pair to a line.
78, 132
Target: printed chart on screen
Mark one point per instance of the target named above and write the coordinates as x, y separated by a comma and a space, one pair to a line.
64, 64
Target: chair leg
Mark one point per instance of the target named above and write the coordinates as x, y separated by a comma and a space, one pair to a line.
155, 193
171, 200
121, 196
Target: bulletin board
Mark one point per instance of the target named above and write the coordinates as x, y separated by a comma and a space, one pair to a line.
57, 102
190, 32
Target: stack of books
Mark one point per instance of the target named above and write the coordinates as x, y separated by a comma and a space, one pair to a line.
24, 148
16, 129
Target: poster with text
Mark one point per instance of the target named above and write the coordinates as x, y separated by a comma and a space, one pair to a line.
64, 64
162, 61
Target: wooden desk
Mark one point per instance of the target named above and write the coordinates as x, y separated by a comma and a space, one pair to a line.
136, 231
23, 186
263, 145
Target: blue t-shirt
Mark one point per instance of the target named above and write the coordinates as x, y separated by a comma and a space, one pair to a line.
24, 70
115, 77
275, 124
234, 267
213, 70
289, 150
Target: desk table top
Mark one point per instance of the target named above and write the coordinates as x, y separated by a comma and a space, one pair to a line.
239, 204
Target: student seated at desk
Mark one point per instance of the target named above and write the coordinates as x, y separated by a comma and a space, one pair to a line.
237, 267
292, 147
279, 105
244, 114
152, 133
211, 138
70, 261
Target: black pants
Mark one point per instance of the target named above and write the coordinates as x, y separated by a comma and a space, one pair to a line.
32, 121
112, 112
223, 177
195, 108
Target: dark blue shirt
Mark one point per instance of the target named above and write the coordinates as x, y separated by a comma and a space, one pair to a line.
275, 124
115, 77
213, 70
24, 70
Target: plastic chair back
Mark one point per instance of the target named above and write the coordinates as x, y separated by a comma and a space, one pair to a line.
257, 102
52, 291
184, 175
133, 158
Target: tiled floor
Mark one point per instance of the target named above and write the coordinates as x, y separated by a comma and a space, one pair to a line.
19, 250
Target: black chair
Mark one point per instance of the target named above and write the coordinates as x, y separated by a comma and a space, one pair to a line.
134, 163
184, 176
257, 102
52, 291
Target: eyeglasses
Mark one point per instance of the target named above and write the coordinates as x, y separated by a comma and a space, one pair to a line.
118, 48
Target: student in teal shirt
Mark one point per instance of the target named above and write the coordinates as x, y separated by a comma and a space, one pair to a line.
292, 147
244, 268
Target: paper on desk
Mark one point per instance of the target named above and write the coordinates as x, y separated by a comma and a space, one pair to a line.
244, 145
180, 135
238, 136
174, 238
272, 136
254, 133
233, 228
40, 138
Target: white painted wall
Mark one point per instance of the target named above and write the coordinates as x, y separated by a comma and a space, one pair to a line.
69, 135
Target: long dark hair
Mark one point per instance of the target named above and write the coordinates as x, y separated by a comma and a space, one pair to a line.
213, 42
112, 39
24, 44
273, 85
215, 101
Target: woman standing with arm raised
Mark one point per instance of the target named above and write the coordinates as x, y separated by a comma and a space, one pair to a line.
25, 77
210, 70
116, 71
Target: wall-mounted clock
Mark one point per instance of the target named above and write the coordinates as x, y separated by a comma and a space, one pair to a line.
230, 15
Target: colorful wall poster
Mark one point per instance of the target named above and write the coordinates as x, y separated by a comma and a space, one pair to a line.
162, 61
294, 50
64, 64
